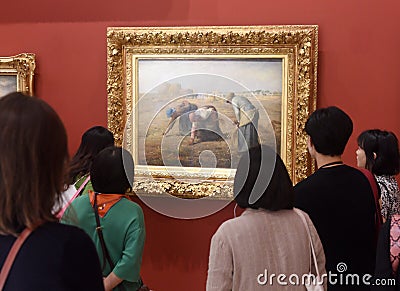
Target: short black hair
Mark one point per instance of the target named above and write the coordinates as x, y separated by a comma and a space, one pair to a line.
262, 181
112, 171
386, 147
330, 129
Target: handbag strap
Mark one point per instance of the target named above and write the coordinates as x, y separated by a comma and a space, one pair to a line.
99, 230
11, 256
106, 254
299, 213
61, 212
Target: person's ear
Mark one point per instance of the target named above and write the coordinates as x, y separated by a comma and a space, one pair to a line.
310, 146
309, 142
374, 155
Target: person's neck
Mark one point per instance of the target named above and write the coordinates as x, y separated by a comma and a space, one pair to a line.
327, 161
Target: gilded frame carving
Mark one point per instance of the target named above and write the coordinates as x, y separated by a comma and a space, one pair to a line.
296, 44
21, 66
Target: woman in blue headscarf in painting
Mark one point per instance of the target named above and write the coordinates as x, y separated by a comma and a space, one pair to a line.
182, 112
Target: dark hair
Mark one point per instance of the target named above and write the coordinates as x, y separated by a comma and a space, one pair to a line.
330, 129
112, 171
33, 156
262, 181
386, 147
93, 141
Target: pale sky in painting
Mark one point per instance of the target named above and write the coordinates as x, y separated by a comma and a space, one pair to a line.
8, 84
235, 75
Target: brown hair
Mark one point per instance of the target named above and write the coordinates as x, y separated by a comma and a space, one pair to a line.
33, 157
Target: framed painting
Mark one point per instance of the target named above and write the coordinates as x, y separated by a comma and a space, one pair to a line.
182, 100
16, 74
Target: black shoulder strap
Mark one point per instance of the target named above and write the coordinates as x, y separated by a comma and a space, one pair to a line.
99, 231
106, 254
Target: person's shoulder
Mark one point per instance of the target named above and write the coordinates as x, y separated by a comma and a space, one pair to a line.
385, 179
61, 232
329, 175
240, 225
80, 200
308, 182
131, 206
356, 171
225, 230
84, 197
234, 224
359, 177
57, 227
227, 225
308, 191
130, 203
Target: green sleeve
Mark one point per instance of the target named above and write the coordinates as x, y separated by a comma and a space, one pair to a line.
128, 266
70, 216
87, 187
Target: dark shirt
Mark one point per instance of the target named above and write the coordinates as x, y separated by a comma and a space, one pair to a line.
340, 202
54, 257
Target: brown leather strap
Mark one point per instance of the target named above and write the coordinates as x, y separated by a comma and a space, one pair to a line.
11, 256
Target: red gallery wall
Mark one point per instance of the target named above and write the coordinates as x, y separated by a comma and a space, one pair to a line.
358, 71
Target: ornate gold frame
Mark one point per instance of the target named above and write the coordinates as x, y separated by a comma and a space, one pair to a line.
23, 66
298, 44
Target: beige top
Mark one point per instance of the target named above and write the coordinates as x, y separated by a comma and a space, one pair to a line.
246, 251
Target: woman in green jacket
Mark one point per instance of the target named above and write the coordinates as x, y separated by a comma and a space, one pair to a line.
118, 231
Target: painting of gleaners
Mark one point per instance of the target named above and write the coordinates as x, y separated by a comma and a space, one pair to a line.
188, 110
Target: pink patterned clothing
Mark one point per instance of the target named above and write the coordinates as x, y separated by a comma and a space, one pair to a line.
395, 242
390, 195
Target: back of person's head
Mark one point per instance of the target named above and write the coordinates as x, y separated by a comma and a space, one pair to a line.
262, 181
33, 156
93, 141
330, 129
112, 171
381, 151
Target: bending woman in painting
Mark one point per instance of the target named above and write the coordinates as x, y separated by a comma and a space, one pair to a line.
182, 112
205, 125
247, 121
